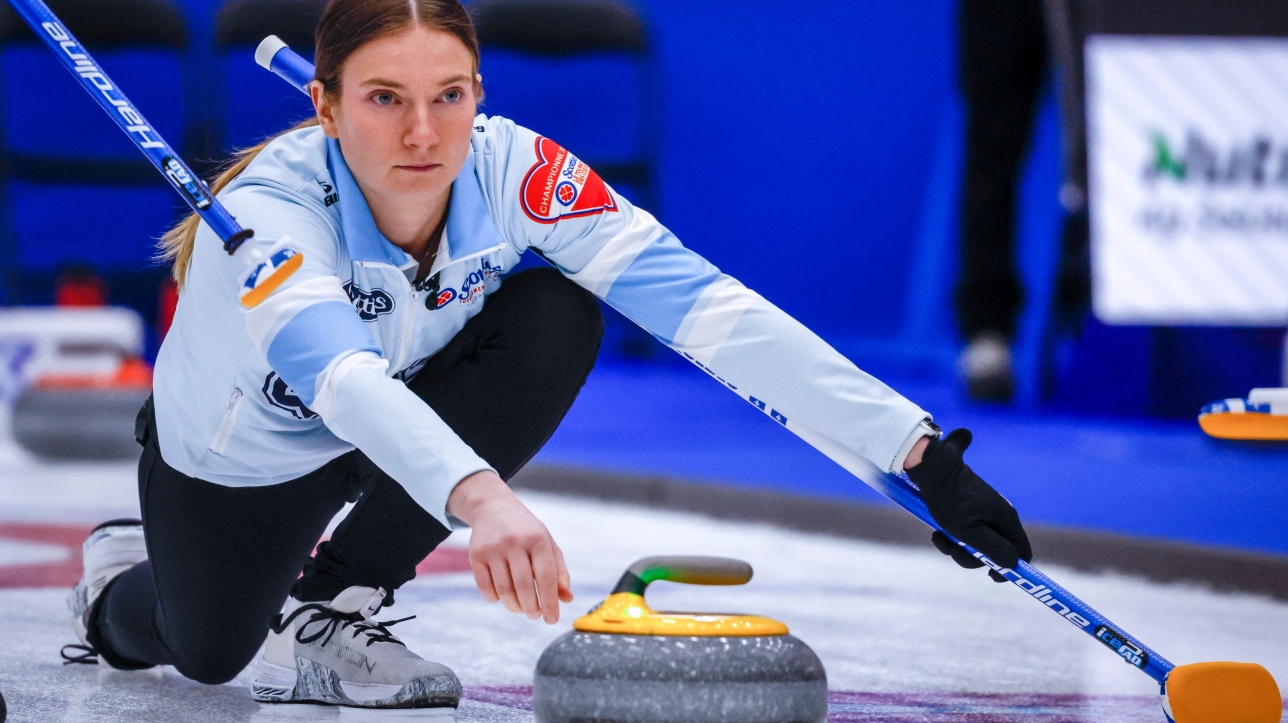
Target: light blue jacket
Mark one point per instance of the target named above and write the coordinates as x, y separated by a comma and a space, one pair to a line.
259, 397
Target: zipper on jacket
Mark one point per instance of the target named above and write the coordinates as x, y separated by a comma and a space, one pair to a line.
225, 430
409, 314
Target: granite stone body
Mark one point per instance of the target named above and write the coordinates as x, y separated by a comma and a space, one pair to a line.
598, 678
78, 424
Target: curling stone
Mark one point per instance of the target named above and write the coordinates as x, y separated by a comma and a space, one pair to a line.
626, 663
83, 419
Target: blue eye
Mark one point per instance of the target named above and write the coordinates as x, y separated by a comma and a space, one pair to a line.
453, 96
383, 98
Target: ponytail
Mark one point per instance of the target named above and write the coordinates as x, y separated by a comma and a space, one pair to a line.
176, 244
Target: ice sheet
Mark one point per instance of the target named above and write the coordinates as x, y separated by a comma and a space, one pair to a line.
903, 633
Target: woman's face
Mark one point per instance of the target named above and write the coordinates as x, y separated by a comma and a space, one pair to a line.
405, 113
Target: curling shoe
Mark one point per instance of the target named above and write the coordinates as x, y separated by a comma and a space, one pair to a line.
334, 654
111, 548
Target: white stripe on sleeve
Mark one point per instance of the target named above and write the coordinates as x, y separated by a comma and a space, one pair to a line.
598, 275
714, 317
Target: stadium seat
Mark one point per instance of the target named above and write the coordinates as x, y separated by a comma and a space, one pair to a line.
581, 73
77, 191
258, 104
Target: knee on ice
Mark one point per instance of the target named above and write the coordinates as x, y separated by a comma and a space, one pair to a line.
214, 667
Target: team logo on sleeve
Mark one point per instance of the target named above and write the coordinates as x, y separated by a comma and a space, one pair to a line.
559, 186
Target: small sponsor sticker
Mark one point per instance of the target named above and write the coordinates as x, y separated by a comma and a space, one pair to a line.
1117, 642
191, 187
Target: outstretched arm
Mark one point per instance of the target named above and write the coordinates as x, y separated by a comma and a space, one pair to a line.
623, 255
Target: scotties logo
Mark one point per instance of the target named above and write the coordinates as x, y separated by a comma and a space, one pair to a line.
369, 304
559, 186
281, 396
473, 287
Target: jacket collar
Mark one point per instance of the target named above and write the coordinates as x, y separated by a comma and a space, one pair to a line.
470, 230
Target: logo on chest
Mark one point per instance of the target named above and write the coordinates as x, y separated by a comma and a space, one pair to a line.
369, 304
473, 287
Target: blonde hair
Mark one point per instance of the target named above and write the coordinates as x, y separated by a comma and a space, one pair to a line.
345, 26
177, 243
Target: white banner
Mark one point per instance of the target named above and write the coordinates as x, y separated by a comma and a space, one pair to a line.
1188, 163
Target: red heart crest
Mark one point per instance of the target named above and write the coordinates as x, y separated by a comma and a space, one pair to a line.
559, 186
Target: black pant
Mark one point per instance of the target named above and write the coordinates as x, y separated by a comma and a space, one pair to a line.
1004, 56
222, 559
1003, 61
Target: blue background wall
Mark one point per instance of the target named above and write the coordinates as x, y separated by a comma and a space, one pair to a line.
811, 150
814, 152
799, 140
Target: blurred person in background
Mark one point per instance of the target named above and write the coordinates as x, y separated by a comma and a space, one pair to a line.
1005, 49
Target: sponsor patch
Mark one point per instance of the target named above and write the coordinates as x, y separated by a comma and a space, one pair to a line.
265, 278
559, 186
369, 304
444, 298
473, 287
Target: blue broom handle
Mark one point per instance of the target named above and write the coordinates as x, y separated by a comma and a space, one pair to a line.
108, 95
1040, 587
275, 55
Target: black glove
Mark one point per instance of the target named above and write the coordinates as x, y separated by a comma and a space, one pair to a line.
967, 508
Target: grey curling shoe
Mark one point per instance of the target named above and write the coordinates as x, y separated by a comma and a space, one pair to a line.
110, 549
626, 663
334, 654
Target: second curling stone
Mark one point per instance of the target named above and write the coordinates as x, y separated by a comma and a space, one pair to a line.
626, 663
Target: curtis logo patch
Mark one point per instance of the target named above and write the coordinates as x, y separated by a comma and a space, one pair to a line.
561, 186
369, 304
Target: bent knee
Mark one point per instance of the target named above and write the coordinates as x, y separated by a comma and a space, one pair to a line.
214, 667
559, 308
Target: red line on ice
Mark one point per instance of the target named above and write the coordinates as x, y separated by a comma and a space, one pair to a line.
65, 572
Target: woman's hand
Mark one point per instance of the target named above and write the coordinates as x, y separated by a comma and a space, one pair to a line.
515, 560
965, 506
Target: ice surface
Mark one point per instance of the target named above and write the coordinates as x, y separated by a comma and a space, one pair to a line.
904, 634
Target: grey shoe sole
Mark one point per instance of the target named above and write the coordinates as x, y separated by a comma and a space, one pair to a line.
316, 683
